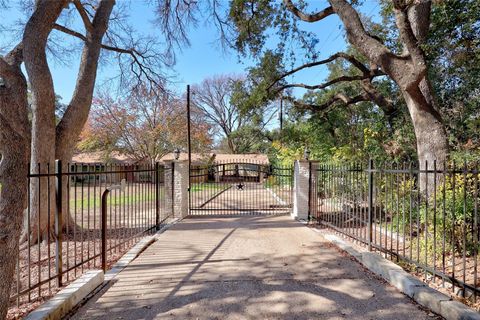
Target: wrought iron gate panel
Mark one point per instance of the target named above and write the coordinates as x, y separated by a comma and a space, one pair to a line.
240, 188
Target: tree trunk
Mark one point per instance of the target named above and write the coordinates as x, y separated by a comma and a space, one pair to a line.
42, 189
76, 115
408, 71
13, 168
12, 203
430, 133
231, 145
37, 30
51, 141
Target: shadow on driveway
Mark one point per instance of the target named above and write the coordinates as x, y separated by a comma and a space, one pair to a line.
247, 268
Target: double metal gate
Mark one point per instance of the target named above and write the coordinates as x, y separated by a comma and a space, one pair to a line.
240, 188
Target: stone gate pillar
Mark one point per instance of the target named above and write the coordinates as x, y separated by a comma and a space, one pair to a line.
176, 188
218, 172
301, 189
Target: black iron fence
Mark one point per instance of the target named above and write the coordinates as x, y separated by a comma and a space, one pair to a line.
69, 228
426, 217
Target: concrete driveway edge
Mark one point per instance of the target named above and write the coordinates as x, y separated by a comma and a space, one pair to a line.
405, 282
69, 297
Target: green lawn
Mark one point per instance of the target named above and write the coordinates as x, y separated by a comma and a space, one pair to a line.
115, 200
207, 186
131, 198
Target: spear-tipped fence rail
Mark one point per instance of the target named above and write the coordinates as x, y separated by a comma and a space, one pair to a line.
426, 217
68, 204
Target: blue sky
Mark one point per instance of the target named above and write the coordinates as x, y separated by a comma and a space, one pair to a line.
204, 57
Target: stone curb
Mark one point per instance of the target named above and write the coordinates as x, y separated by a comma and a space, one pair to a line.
68, 297
90, 282
405, 282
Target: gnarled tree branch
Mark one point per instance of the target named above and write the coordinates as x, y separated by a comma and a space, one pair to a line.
323, 85
308, 17
367, 73
408, 37
339, 97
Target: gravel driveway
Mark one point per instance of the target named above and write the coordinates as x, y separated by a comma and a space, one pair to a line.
255, 267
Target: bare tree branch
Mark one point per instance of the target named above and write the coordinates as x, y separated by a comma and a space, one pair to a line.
224, 26
174, 17
71, 32
379, 99
213, 98
137, 57
370, 93
369, 45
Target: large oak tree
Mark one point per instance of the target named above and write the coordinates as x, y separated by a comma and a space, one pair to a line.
407, 66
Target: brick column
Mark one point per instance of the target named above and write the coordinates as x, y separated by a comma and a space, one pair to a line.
176, 178
301, 189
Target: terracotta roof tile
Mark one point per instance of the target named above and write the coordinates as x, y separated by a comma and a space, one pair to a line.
199, 158
99, 157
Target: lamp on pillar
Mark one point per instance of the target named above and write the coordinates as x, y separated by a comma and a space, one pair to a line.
306, 154
176, 153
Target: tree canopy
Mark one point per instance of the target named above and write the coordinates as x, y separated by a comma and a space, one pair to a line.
361, 105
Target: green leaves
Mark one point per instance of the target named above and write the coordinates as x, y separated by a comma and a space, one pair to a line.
453, 52
258, 89
251, 19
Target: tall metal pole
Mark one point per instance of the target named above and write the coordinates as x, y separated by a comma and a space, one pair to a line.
281, 115
189, 137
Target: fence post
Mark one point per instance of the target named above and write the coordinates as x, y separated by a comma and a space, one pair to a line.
370, 203
301, 190
172, 196
104, 230
310, 185
58, 221
157, 197
176, 189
